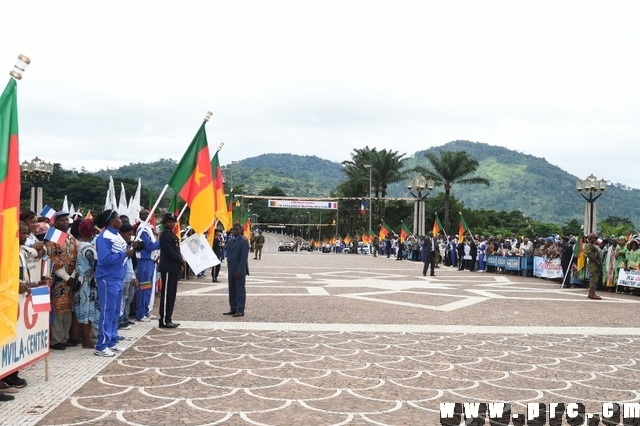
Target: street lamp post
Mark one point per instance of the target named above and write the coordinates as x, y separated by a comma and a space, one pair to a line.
420, 183
309, 228
590, 189
368, 166
37, 172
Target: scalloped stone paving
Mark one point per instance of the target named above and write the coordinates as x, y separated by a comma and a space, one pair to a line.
332, 339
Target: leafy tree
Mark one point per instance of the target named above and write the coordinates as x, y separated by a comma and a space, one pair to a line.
572, 227
449, 168
386, 168
616, 226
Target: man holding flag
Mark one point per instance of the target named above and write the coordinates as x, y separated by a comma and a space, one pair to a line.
147, 257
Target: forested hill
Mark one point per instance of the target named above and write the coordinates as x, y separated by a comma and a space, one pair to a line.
296, 175
518, 181
521, 181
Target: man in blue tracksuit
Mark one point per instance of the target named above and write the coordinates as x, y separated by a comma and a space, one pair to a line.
146, 267
113, 252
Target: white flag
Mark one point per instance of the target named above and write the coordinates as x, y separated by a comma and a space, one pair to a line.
134, 206
122, 206
110, 203
65, 205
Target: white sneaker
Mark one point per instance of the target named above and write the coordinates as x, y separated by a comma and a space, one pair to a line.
144, 319
116, 348
152, 317
106, 352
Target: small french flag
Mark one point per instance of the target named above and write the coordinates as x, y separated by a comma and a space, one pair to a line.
363, 206
56, 236
40, 298
48, 212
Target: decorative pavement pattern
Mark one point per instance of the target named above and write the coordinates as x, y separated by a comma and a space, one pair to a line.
339, 339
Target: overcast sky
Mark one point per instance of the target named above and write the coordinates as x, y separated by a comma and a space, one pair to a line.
117, 82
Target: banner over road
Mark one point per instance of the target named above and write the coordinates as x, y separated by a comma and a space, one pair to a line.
302, 204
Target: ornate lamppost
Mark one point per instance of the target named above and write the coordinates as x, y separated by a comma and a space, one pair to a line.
37, 172
590, 189
420, 183
368, 166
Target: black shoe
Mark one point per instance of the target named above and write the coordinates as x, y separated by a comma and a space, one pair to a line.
175, 324
432, 275
238, 314
5, 397
15, 382
70, 344
229, 313
167, 325
131, 323
59, 347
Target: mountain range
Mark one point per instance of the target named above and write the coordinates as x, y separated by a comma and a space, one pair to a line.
541, 190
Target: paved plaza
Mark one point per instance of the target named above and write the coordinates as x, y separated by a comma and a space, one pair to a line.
332, 339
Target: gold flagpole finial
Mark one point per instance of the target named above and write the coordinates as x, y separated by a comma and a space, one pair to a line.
208, 116
21, 64
220, 146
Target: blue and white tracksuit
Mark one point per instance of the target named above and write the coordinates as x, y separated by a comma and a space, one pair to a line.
110, 272
146, 270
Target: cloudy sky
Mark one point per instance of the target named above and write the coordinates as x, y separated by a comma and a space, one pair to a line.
117, 82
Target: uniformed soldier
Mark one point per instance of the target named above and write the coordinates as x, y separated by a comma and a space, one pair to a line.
259, 242
593, 253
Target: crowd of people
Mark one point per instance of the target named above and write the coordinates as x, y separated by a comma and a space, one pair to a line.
603, 257
102, 272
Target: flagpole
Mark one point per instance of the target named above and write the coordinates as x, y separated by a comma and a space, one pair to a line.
472, 237
182, 212
153, 209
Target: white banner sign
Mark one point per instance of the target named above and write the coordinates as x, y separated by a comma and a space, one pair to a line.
31, 342
301, 204
198, 254
629, 279
547, 268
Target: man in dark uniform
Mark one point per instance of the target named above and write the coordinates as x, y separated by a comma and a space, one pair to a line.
473, 253
429, 255
217, 249
594, 264
170, 268
258, 243
237, 262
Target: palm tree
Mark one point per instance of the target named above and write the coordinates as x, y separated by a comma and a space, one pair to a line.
386, 168
449, 168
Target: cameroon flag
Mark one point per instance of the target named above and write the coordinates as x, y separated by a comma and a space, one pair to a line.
384, 230
9, 206
462, 228
192, 181
404, 233
578, 251
437, 226
347, 239
219, 200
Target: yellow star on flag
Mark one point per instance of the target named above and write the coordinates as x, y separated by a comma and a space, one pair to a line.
197, 175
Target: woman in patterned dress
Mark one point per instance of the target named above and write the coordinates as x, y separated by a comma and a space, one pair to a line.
84, 299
